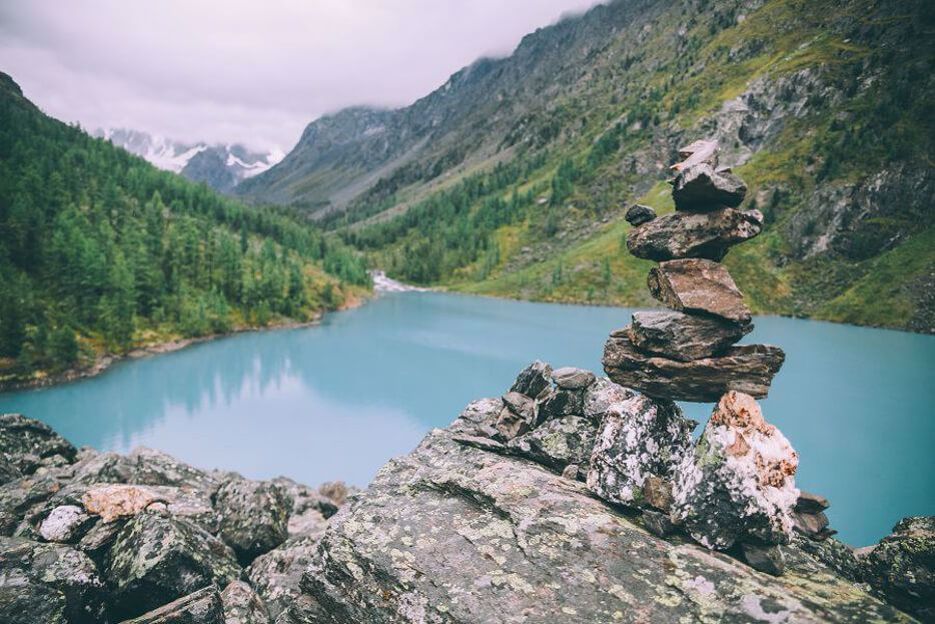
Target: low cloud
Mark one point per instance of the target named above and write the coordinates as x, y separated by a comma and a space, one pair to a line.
250, 72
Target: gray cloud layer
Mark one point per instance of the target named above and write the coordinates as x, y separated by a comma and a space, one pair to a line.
250, 72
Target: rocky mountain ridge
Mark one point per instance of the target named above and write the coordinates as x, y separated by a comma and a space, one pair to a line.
220, 166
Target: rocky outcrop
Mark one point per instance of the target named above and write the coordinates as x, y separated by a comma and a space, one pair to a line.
92, 537
902, 567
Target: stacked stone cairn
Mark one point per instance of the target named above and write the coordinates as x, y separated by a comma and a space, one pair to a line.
733, 490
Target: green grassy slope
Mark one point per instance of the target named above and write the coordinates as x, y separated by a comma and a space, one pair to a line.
833, 136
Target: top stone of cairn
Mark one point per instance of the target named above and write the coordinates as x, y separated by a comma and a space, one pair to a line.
700, 185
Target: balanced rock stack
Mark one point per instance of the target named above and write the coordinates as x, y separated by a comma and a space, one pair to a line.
734, 489
686, 353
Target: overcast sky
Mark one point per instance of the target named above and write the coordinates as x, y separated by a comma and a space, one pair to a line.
252, 72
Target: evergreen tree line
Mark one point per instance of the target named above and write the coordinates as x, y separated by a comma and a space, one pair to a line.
98, 248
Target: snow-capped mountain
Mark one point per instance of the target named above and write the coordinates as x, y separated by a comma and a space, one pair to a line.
220, 166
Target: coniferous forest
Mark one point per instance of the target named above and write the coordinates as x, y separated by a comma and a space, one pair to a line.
101, 252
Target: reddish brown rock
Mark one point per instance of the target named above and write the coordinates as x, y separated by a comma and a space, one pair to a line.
749, 369
698, 285
681, 336
694, 234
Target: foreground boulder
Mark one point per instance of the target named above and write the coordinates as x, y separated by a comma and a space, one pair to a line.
902, 567
639, 439
254, 516
48, 584
694, 234
749, 369
158, 558
454, 533
739, 484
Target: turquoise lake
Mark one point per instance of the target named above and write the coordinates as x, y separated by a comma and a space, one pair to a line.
337, 400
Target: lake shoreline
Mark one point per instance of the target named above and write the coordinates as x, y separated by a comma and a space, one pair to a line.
103, 362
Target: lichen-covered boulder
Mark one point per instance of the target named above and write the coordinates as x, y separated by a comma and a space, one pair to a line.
533, 380
242, 605
147, 466
558, 442
254, 516
276, 577
902, 567
200, 607
739, 483
601, 396
25, 443
479, 418
18, 496
157, 558
48, 584
638, 438
453, 533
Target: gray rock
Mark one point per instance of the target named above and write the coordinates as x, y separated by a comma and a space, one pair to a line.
694, 234
242, 605
570, 378
65, 524
254, 516
765, 558
657, 523
479, 418
811, 503
695, 285
304, 498
810, 523
559, 403
749, 369
832, 553
455, 534
571, 471
92, 467
517, 416
681, 336
25, 442
902, 567
558, 442
637, 439
603, 395
276, 577
638, 214
533, 380
146, 466
738, 485
46, 583
156, 559
702, 187
8, 470
18, 496
200, 607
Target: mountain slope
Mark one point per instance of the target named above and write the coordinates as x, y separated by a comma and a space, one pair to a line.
101, 252
512, 178
220, 166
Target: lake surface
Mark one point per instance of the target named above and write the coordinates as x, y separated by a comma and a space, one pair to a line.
336, 401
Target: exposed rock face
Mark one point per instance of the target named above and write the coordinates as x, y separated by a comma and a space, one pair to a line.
702, 187
454, 533
637, 214
902, 567
26, 444
638, 439
698, 285
201, 607
749, 369
156, 559
254, 516
678, 336
694, 234
739, 484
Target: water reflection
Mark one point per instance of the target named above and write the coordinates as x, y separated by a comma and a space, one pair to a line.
337, 401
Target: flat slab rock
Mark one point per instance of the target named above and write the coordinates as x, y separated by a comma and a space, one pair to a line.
749, 369
694, 234
683, 336
455, 534
698, 285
